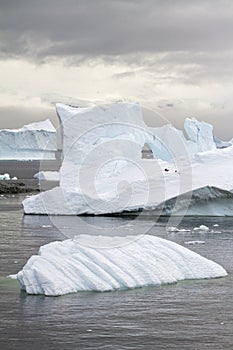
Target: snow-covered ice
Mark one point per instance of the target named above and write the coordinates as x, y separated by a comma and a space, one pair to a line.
33, 141
75, 265
102, 170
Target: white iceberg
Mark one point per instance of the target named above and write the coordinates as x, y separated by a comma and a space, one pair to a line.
102, 171
47, 175
200, 136
75, 265
169, 143
33, 141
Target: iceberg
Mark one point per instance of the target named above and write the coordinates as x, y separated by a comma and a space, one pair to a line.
200, 136
103, 172
204, 201
169, 143
33, 141
75, 265
47, 175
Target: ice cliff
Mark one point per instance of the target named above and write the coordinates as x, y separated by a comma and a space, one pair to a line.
74, 265
32, 141
102, 170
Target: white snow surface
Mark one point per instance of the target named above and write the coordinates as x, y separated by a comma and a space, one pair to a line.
102, 170
44, 125
74, 265
33, 141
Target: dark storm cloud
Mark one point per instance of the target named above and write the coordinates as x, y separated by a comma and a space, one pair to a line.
41, 29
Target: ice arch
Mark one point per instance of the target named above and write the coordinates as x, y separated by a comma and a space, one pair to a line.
111, 137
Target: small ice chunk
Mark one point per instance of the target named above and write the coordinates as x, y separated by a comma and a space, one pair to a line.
194, 242
203, 228
176, 229
14, 178
172, 229
5, 177
216, 225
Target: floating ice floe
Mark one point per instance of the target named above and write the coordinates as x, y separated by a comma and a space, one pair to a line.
202, 228
32, 141
75, 265
102, 171
194, 242
176, 229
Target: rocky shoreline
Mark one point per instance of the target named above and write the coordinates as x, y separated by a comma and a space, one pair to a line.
18, 186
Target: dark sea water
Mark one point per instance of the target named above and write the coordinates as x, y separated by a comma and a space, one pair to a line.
187, 315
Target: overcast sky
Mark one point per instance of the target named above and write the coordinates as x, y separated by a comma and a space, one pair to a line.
173, 56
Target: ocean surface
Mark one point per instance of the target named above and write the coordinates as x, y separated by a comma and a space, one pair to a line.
187, 315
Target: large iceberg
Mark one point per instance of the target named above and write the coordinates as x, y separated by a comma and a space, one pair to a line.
169, 143
75, 265
102, 171
33, 141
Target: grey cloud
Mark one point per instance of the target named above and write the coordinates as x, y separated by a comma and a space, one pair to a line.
43, 29
124, 75
17, 116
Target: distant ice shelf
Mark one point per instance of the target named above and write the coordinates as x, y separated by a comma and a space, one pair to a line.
31, 142
75, 265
